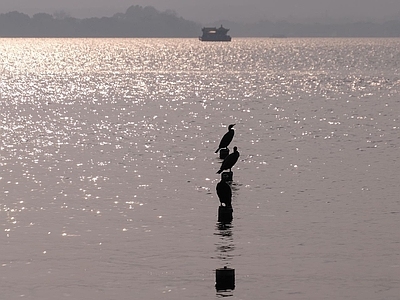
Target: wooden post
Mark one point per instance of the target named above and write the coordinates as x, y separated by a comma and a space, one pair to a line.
223, 153
225, 279
227, 176
225, 214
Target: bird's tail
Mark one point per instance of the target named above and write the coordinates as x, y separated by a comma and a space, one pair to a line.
219, 171
217, 150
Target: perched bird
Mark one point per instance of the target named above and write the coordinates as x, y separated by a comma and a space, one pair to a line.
229, 161
227, 138
224, 193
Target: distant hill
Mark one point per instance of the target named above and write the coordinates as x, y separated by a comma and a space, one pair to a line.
147, 21
137, 21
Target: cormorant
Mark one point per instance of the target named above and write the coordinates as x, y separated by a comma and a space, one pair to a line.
227, 138
224, 193
229, 161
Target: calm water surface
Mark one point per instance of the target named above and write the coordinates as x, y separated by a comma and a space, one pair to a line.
108, 171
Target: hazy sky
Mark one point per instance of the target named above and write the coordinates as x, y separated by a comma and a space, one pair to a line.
214, 10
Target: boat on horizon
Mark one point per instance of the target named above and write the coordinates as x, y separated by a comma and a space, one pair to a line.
214, 34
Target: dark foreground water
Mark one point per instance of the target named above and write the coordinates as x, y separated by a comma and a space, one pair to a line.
108, 171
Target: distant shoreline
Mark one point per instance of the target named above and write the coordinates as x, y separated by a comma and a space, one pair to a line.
147, 22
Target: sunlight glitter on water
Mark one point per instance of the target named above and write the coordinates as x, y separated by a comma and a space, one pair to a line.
109, 145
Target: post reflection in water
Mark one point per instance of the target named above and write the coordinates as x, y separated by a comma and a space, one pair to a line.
225, 246
225, 284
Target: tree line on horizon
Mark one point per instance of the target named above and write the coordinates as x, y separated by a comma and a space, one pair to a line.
147, 21
137, 21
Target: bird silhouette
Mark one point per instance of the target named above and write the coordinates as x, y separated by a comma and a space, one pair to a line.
224, 193
229, 161
227, 138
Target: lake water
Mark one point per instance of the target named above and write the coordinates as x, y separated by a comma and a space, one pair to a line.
108, 170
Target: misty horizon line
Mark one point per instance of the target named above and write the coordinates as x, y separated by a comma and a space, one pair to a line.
147, 21
322, 18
